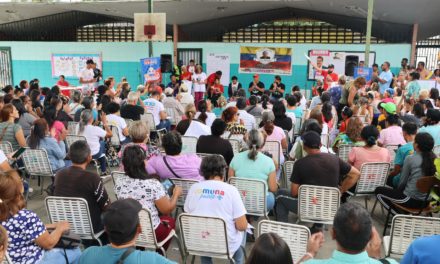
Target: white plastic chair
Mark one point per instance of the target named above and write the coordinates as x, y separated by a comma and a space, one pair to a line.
405, 229
75, 211
253, 194
373, 175
317, 204
189, 144
392, 149
70, 139
72, 128
173, 116
149, 120
274, 148
117, 176
296, 236
325, 140
298, 124
287, 173
204, 236
436, 150
147, 238
36, 163
257, 121
344, 150
6, 147
185, 184
235, 145
115, 140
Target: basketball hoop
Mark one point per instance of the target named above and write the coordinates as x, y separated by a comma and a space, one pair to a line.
149, 31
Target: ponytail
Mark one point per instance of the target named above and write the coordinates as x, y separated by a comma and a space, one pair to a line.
86, 115
203, 107
371, 141
370, 134
255, 141
425, 144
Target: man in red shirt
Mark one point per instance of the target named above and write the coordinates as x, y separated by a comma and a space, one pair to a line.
212, 77
328, 75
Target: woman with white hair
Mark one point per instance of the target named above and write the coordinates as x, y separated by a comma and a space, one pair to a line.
255, 164
185, 97
93, 135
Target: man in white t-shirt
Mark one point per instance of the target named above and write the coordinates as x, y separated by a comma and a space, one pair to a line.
114, 119
86, 78
215, 198
155, 107
248, 119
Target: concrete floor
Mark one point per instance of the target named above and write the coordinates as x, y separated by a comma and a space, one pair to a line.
36, 204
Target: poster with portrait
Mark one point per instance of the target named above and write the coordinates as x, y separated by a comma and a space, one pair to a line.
344, 62
150, 69
265, 60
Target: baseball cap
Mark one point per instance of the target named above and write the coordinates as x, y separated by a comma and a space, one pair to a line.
390, 91
169, 91
331, 66
390, 108
256, 75
311, 140
121, 220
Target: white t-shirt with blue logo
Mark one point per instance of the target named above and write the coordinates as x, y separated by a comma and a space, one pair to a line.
155, 107
218, 199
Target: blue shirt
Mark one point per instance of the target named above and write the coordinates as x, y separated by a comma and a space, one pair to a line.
387, 76
339, 257
108, 254
434, 131
422, 250
403, 152
298, 111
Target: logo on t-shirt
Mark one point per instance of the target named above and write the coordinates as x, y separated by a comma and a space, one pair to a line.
210, 194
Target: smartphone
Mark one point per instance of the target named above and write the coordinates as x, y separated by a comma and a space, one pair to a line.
18, 153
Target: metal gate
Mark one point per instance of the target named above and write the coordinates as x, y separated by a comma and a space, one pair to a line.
428, 51
185, 55
5, 66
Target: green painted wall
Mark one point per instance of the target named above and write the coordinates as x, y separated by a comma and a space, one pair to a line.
32, 59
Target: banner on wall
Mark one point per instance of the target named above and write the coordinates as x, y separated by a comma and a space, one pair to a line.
265, 60
219, 62
70, 64
344, 61
150, 69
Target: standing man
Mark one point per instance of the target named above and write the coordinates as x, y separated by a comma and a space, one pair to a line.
385, 77
155, 107
328, 75
97, 74
277, 88
256, 87
86, 78
404, 65
425, 74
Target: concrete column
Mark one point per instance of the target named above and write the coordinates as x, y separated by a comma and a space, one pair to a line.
368, 35
412, 60
175, 41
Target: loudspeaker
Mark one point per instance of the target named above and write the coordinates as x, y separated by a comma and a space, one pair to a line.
166, 64
351, 61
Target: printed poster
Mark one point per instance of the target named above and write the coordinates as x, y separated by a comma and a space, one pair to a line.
340, 59
363, 72
219, 62
71, 64
265, 60
150, 69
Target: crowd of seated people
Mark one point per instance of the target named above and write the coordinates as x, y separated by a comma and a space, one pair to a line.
395, 125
